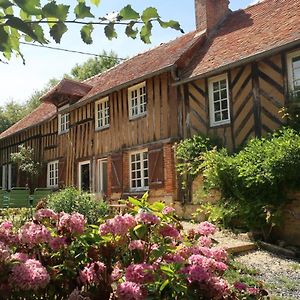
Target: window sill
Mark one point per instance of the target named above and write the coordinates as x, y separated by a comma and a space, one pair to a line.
227, 122
102, 128
63, 132
138, 117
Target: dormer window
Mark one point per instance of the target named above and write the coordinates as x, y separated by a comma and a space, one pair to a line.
294, 72
63, 121
137, 100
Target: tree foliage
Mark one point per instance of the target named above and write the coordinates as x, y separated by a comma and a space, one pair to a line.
94, 66
28, 19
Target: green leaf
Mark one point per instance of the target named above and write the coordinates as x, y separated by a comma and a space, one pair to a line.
163, 286
5, 4
167, 270
21, 26
31, 7
140, 231
130, 31
110, 31
134, 201
170, 24
96, 2
4, 40
39, 32
149, 13
146, 32
52, 10
128, 13
57, 31
86, 33
157, 206
82, 11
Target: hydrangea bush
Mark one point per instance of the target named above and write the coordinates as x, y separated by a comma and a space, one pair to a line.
143, 254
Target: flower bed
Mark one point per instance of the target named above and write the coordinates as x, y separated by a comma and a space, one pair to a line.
143, 254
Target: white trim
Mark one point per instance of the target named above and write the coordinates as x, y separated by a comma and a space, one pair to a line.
290, 56
143, 188
56, 164
6, 176
137, 88
102, 100
86, 162
211, 100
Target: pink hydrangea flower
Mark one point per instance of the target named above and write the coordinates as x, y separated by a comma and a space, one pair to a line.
196, 273
57, 243
119, 225
205, 241
169, 231
73, 223
147, 218
136, 245
206, 228
130, 291
253, 291
29, 275
219, 254
20, 256
4, 252
33, 234
116, 273
92, 273
219, 285
173, 258
139, 273
45, 213
168, 210
240, 286
6, 225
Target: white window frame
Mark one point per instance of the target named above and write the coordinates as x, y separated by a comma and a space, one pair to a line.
63, 121
100, 173
54, 163
290, 57
140, 104
211, 81
100, 114
6, 177
86, 162
143, 187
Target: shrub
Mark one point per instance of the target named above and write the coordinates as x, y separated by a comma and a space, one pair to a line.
143, 254
71, 200
256, 179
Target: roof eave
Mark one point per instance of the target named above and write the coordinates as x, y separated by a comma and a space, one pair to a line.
240, 62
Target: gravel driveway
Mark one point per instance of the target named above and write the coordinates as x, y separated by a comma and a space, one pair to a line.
280, 275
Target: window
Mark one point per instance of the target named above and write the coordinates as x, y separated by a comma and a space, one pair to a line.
52, 174
63, 123
84, 176
6, 177
137, 100
219, 100
139, 171
102, 113
294, 72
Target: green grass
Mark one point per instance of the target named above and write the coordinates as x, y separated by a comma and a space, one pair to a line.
295, 266
238, 272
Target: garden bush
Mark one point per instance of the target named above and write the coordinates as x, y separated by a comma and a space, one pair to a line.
143, 254
255, 180
71, 200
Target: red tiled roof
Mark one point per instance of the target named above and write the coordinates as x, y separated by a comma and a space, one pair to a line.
144, 64
66, 87
44, 112
245, 33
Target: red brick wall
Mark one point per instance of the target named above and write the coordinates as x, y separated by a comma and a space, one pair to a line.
109, 170
126, 170
169, 169
209, 13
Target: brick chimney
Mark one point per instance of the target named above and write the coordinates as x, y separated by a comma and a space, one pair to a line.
209, 13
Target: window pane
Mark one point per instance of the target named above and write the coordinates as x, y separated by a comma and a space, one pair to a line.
223, 84
216, 96
218, 117
224, 94
217, 106
225, 115
224, 104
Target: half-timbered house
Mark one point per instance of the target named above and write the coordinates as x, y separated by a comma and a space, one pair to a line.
114, 133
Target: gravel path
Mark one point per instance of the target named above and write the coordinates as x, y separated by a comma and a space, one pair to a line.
281, 275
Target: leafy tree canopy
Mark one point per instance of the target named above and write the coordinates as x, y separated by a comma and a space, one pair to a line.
23, 20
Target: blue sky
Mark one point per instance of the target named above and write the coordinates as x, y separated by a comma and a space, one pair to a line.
18, 82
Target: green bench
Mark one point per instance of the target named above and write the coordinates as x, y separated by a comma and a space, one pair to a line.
38, 195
